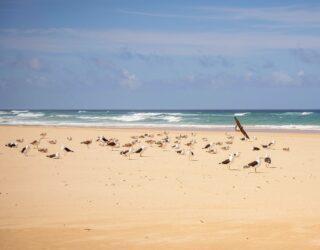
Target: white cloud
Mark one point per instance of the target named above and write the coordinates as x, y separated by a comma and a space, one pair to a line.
129, 80
282, 78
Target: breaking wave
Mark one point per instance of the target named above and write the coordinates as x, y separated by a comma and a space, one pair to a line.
30, 114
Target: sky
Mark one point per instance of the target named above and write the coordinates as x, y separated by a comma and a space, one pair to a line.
95, 54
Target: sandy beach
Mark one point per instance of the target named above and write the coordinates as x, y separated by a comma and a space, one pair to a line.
96, 198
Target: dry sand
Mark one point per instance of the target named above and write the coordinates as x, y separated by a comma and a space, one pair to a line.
97, 199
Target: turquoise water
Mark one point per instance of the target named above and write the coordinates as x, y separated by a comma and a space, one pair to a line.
202, 119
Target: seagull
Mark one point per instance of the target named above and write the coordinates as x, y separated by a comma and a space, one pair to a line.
267, 160
54, 156
269, 145
190, 155
254, 164
86, 142
25, 150
102, 139
12, 145
225, 148
140, 150
66, 149
208, 146
228, 161
43, 150
236, 154
180, 152
126, 152
255, 148
113, 144
36, 143
52, 141
212, 151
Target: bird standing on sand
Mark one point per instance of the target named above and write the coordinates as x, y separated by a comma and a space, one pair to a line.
43, 150
52, 141
180, 152
54, 156
141, 150
66, 149
36, 143
190, 154
113, 144
208, 146
269, 145
12, 145
267, 160
86, 142
254, 164
127, 152
25, 150
228, 161
255, 148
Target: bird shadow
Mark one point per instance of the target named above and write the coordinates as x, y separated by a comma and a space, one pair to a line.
234, 169
258, 172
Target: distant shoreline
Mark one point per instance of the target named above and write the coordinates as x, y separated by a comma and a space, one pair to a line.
155, 128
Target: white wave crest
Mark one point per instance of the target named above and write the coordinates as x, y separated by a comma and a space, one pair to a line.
241, 114
19, 111
29, 114
172, 118
62, 116
4, 113
306, 113
82, 111
134, 117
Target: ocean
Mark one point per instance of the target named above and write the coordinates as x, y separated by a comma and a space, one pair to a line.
179, 119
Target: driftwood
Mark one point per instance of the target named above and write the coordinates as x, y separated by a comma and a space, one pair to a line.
239, 127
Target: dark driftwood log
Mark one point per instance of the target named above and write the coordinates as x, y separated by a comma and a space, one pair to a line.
239, 127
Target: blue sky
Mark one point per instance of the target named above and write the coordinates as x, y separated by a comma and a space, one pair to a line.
159, 54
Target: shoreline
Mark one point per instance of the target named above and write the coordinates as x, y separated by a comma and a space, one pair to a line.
187, 129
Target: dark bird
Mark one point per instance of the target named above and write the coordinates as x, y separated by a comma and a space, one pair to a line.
126, 152
12, 145
269, 145
255, 149
254, 164
66, 149
87, 142
25, 150
228, 161
52, 141
43, 150
36, 143
140, 150
54, 156
180, 152
209, 145
267, 160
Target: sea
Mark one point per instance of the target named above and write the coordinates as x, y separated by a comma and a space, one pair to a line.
304, 120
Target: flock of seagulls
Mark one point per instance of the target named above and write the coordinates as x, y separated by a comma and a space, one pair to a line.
179, 144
